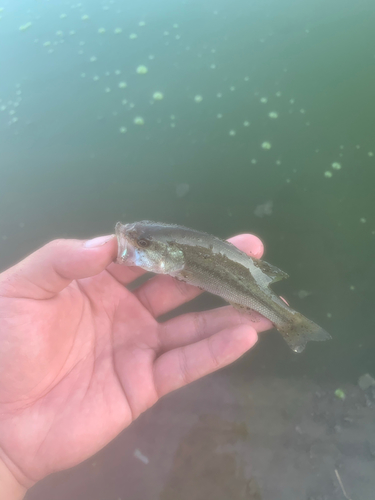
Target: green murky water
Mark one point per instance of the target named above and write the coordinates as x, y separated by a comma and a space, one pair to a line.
263, 121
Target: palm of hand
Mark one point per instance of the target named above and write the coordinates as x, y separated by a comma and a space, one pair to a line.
82, 364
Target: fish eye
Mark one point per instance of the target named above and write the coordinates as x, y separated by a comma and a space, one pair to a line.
143, 243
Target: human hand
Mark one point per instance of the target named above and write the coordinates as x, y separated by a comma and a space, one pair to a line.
81, 356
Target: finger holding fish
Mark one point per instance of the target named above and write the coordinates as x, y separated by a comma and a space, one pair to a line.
193, 327
179, 367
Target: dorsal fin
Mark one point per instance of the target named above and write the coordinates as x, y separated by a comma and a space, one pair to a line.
274, 273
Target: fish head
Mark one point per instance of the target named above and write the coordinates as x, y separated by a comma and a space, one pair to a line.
140, 245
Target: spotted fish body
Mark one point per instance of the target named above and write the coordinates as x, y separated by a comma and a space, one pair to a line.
218, 267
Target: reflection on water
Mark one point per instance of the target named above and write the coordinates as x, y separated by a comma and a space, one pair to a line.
206, 467
228, 117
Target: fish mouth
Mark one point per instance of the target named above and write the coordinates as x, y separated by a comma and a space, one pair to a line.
125, 250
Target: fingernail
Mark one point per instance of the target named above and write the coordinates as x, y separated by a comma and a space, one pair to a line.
98, 242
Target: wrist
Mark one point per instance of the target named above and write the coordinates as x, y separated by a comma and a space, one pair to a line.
10, 488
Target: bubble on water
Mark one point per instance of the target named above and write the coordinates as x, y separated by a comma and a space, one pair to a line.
370, 153
117, 72
83, 75
292, 101
122, 85
328, 173
46, 44
213, 66
123, 130
158, 96
133, 36
72, 32
254, 161
63, 16
101, 31
246, 124
59, 33
95, 78
141, 23
266, 145
278, 94
278, 162
246, 78
219, 95
138, 120
142, 70
175, 26
219, 115
336, 165
303, 111
198, 98
93, 59
107, 90
124, 101
263, 100
232, 132
117, 31
232, 88
273, 115
166, 33
362, 220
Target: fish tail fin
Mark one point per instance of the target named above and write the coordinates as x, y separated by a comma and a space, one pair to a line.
299, 330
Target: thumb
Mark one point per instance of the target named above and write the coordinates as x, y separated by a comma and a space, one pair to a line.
51, 268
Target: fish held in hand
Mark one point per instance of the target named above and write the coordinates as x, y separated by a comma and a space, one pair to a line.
218, 267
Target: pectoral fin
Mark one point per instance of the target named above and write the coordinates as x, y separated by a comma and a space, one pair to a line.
274, 273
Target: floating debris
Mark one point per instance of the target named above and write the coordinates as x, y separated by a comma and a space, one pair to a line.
26, 26
138, 454
182, 189
339, 393
266, 145
273, 115
142, 70
158, 96
336, 165
264, 209
138, 120
366, 381
302, 294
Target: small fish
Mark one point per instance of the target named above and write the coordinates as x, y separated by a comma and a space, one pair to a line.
218, 267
